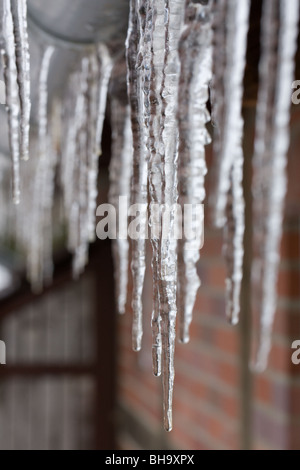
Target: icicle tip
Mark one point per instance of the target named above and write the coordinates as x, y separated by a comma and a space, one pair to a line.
168, 422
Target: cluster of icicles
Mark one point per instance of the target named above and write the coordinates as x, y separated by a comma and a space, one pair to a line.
179, 54
16, 64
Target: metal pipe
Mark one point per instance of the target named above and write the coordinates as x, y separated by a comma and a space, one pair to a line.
81, 21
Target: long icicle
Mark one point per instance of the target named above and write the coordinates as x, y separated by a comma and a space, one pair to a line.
49, 191
217, 84
36, 251
19, 13
81, 174
263, 143
134, 48
237, 18
12, 95
227, 114
234, 239
120, 178
276, 191
196, 70
155, 169
139, 188
234, 245
87, 95
152, 83
174, 13
74, 163
68, 154
105, 66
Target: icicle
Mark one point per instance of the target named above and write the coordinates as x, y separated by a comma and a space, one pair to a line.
89, 140
262, 159
96, 105
120, 177
195, 52
19, 13
45, 174
12, 94
40, 202
237, 24
2, 44
81, 188
100, 89
274, 161
156, 103
229, 64
157, 34
217, 83
106, 64
234, 240
75, 100
49, 191
153, 59
70, 124
134, 49
87, 95
43, 101
169, 148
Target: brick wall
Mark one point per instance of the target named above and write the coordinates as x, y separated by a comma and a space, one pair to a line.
218, 404
276, 394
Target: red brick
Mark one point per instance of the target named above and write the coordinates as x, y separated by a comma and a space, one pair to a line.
280, 358
212, 274
230, 374
270, 430
295, 437
207, 303
295, 401
228, 340
290, 246
212, 248
262, 389
289, 283
146, 405
287, 324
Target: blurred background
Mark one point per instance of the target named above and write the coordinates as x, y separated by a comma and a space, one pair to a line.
72, 380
